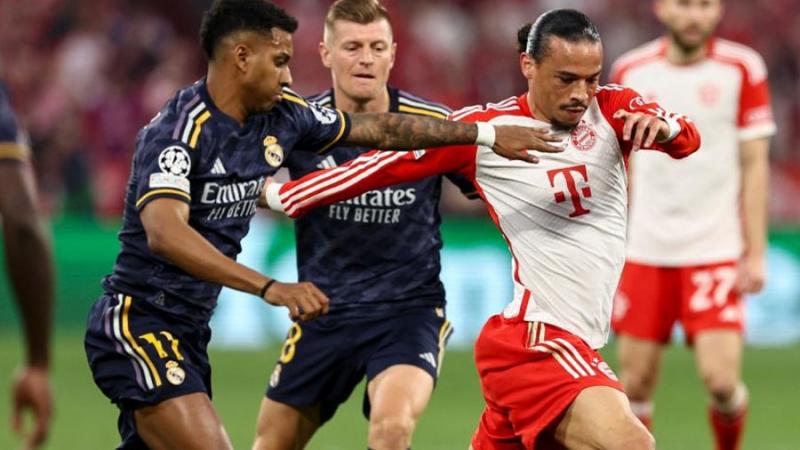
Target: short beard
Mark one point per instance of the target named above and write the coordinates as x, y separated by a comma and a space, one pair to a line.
563, 127
685, 47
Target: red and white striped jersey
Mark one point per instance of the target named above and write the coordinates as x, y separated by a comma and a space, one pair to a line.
564, 219
687, 212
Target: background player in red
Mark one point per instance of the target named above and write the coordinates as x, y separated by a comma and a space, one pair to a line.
564, 219
697, 227
387, 304
30, 267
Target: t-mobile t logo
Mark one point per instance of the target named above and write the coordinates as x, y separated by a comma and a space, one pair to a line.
572, 187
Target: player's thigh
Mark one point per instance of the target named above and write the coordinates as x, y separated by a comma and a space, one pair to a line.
719, 358
182, 423
284, 427
406, 361
640, 363
401, 390
601, 418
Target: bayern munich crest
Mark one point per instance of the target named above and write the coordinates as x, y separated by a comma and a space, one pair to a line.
583, 137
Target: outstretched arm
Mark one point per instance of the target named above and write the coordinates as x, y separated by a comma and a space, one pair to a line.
391, 131
372, 170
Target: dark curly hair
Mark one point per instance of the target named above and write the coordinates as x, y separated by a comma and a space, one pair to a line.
227, 16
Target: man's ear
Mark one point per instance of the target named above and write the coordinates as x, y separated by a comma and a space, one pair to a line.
241, 56
325, 55
527, 65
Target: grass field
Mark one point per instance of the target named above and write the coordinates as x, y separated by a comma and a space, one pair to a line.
85, 420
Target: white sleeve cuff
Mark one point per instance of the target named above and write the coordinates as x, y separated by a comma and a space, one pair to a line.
758, 131
486, 134
274, 197
674, 128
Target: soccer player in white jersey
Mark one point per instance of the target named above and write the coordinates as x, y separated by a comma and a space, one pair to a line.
697, 227
564, 219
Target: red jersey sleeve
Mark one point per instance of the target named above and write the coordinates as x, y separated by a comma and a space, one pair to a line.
755, 111
613, 97
372, 170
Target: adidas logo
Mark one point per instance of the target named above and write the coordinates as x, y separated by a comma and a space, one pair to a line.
218, 168
428, 357
327, 163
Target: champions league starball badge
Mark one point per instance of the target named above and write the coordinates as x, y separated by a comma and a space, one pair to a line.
175, 160
273, 152
175, 374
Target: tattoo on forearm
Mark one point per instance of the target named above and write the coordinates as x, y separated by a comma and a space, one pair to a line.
406, 131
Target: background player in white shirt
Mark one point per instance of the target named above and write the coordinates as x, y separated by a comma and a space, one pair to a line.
697, 227
564, 219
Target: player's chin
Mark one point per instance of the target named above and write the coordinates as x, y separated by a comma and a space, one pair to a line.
568, 122
269, 105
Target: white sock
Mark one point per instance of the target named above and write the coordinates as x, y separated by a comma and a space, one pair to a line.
642, 409
735, 404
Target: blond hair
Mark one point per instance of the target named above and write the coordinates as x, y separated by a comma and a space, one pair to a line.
359, 11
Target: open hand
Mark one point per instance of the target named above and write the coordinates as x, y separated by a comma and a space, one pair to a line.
304, 300
515, 142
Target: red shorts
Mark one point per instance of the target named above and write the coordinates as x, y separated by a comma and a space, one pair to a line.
530, 373
650, 299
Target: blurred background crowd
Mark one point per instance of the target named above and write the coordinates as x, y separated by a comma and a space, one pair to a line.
85, 75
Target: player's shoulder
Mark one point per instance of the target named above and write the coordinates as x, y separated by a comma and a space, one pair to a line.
740, 55
324, 98
409, 103
642, 55
181, 120
510, 107
292, 99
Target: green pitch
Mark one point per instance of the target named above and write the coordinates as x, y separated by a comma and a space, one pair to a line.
85, 420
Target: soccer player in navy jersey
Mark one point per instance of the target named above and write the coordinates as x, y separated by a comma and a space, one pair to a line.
377, 259
197, 175
30, 267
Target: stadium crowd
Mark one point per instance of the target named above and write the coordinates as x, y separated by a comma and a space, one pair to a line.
85, 75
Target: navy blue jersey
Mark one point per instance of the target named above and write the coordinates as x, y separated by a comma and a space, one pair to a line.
377, 253
13, 143
193, 152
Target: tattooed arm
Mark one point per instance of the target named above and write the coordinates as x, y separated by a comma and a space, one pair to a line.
406, 131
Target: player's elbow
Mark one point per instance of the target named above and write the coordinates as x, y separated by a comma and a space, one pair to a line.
158, 241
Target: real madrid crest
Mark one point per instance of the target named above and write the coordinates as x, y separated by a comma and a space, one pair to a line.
273, 152
175, 374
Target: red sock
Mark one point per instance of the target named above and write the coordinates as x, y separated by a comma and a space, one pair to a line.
727, 429
647, 421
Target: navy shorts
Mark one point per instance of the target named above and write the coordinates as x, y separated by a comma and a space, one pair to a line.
322, 362
140, 355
